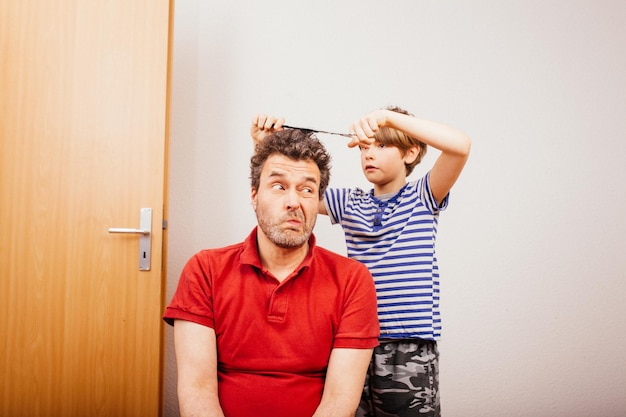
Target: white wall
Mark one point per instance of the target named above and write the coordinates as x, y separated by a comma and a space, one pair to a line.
532, 245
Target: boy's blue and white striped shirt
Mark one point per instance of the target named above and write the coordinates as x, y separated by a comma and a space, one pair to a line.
395, 239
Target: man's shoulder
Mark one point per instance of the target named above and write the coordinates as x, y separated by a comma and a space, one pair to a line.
219, 253
334, 259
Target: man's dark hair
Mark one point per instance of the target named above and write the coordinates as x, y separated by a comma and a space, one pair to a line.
296, 144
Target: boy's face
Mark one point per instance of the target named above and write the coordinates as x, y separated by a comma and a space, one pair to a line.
383, 163
287, 200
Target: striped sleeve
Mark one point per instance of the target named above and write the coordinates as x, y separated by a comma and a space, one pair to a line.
335, 201
426, 195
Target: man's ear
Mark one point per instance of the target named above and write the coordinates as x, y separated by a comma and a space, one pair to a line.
253, 195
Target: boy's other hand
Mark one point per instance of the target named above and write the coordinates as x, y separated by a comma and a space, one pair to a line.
264, 125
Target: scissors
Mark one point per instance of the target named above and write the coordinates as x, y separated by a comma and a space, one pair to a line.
347, 135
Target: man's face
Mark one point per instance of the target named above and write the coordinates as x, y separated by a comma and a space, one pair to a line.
287, 200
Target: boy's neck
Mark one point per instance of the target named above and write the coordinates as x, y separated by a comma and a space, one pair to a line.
390, 187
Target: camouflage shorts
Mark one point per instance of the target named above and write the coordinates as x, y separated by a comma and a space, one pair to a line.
402, 380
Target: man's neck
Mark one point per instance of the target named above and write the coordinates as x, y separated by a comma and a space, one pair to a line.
281, 262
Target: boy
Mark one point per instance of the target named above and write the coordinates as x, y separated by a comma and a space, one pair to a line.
392, 230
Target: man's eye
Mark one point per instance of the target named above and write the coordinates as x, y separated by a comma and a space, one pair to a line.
277, 187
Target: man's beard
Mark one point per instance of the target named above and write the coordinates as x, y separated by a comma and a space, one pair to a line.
282, 237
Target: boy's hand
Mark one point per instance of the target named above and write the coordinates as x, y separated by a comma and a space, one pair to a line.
264, 125
366, 127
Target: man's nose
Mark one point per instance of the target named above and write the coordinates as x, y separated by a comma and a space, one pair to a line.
292, 200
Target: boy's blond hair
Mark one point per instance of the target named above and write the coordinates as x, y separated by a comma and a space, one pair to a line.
402, 141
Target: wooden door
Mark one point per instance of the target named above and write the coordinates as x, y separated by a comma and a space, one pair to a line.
83, 126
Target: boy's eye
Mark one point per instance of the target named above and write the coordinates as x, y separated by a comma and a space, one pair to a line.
381, 145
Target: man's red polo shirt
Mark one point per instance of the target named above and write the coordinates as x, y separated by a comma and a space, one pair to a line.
274, 339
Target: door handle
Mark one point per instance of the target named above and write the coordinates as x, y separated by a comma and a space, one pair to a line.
128, 231
145, 237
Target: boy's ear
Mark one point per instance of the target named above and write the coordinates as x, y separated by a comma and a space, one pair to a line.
410, 155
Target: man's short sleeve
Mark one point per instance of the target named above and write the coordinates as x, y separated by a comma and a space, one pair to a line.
193, 299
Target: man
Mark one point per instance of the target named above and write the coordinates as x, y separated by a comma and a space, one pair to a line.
275, 325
